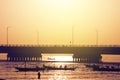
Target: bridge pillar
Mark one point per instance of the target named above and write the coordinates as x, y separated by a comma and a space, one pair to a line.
37, 59
17, 59
10, 58
30, 58
27, 58
78, 60
34, 59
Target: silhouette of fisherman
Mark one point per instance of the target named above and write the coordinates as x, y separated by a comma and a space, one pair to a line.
39, 75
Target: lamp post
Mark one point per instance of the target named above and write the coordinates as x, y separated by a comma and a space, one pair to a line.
7, 36
38, 37
96, 37
72, 35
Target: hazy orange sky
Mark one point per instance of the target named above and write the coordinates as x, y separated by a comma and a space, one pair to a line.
54, 19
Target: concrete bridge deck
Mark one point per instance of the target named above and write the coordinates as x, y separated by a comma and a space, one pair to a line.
81, 53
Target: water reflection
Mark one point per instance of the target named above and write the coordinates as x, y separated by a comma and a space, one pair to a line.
7, 71
58, 77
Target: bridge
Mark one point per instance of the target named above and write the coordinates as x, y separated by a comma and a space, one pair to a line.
80, 53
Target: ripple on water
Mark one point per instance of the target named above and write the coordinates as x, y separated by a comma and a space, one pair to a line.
7, 71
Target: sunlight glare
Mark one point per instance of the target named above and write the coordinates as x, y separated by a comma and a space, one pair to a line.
57, 57
63, 58
60, 3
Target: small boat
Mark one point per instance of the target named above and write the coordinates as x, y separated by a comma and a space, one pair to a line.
28, 69
100, 67
42, 68
2, 79
105, 68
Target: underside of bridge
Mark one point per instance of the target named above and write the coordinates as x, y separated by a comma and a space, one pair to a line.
35, 53
77, 57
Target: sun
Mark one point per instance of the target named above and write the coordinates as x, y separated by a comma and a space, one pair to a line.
60, 2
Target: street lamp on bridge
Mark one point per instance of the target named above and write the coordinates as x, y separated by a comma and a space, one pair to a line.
38, 37
72, 35
96, 37
7, 36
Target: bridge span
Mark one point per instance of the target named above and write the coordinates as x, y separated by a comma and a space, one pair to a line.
80, 53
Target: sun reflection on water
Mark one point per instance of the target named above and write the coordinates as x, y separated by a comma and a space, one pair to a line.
57, 57
58, 77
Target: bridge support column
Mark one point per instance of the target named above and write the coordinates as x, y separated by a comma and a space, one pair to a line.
30, 58
10, 58
78, 59
37, 58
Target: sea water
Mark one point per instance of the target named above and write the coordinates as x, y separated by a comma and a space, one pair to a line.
8, 72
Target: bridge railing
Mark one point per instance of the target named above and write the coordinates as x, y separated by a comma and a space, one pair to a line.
24, 45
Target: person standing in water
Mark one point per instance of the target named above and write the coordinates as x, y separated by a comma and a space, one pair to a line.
39, 75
